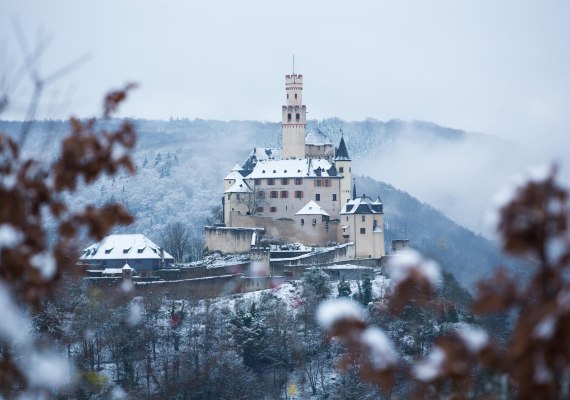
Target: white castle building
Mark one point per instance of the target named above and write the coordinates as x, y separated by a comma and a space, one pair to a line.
302, 192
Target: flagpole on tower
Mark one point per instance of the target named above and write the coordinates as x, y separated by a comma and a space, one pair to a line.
293, 64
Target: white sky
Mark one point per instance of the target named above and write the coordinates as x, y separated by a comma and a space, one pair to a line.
495, 67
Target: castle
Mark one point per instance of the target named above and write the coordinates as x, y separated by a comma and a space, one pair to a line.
301, 193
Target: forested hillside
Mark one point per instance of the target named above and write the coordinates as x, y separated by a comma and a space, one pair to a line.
180, 165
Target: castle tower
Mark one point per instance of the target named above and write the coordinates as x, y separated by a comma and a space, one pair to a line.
294, 119
343, 165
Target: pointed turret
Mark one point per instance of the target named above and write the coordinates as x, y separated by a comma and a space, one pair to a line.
343, 165
354, 190
342, 152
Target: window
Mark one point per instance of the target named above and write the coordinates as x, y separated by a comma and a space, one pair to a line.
302, 221
363, 231
272, 209
298, 116
295, 96
298, 194
289, 117
334, 196
274, 194
285, 181
287, 95
322, 183
259, 209
261, 194
257, 181
228, 196
317, 197
298, 181
237, 196
284, 194
271, 181
341, 169
363, 218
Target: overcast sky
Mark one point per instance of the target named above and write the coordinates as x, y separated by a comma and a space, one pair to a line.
495, 67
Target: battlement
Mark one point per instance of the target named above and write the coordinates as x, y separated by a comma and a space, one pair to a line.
293, 108
294, 76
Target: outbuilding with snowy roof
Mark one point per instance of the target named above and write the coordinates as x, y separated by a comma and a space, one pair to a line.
134, 250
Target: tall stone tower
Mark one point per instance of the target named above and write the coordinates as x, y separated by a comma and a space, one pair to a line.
343, 165
294, 118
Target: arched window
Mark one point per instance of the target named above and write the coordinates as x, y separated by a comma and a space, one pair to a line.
298, 116
289, 117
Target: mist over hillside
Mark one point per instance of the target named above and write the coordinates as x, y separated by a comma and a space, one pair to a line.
455, 171
181, 164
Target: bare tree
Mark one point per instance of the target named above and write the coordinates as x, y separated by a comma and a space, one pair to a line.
254, 201
176, 239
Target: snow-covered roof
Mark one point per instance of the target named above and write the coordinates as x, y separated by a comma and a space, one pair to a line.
293, 168
316, 137
234, 175
112, 271
125, 247
126, 266
312, 208
261, 154
237, 167
239, 186
363, 205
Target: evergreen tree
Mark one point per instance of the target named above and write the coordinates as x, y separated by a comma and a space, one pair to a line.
249, 331
366, 292
344, 288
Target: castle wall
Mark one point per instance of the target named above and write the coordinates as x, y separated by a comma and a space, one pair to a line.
200, 288
230, 240
292, 230
294, 268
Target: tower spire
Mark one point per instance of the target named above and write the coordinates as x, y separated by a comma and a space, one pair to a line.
293, 63
354, 189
